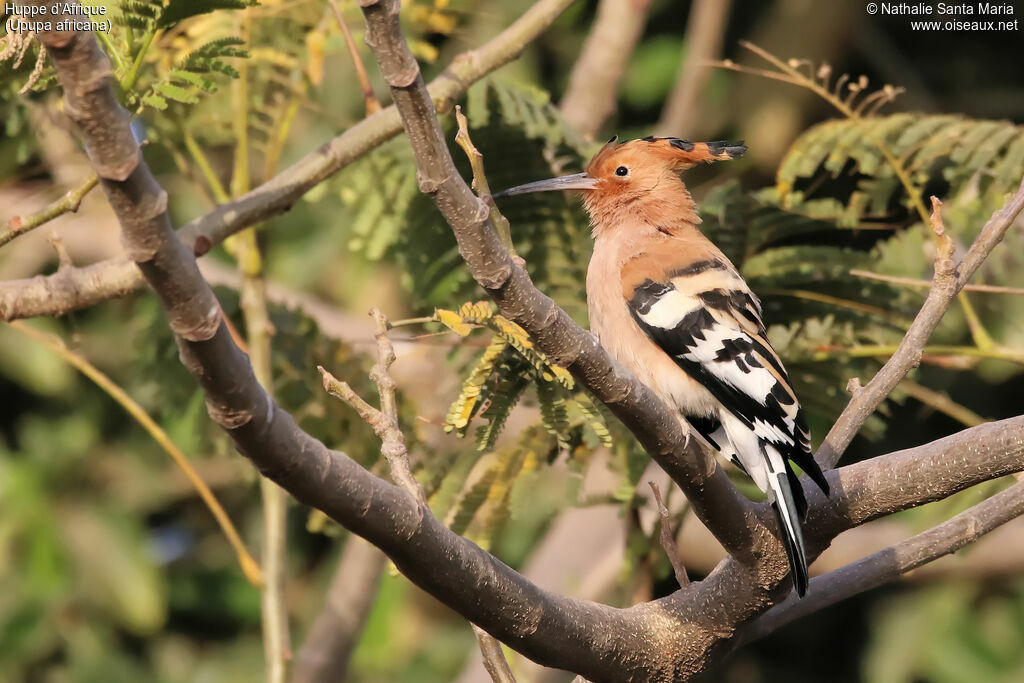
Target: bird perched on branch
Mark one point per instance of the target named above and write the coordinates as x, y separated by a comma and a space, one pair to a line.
667, 303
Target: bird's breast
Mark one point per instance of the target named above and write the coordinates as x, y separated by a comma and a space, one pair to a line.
619, 334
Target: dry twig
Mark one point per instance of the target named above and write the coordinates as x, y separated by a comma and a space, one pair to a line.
384, 421
949, 279
116, 277
69, 202
668, 538
494, 658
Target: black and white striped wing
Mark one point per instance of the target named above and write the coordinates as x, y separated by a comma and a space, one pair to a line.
716, 335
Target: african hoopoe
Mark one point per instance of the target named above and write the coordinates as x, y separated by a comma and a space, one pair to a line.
669, 305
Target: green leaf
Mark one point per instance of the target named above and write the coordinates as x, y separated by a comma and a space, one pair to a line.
155, 101
176, 93
178, 10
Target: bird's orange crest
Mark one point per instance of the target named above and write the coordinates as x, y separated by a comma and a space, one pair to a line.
638, 180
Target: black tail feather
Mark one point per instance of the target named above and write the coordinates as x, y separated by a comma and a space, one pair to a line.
792, 536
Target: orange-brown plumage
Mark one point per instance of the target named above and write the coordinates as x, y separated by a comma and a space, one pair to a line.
667, 303
651, 190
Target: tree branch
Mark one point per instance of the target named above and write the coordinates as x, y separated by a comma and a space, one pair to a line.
494, 658
729, 515
668, 538
890, 563
705, 29
324, 656
593, 90
948, 281
666, 640
79, 288
68, 203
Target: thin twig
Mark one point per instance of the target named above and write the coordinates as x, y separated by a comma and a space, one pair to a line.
942, 403
480, 184
87, 286
369, 98
494, 658
68, 203
249, 566
668, 538
592, 94
948, 281
384, 421
925, 284
705, 29
789, 72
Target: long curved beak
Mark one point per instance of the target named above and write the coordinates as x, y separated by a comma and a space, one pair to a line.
577, 181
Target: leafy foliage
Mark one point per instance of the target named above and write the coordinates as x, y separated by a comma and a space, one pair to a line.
947, 154
523, 138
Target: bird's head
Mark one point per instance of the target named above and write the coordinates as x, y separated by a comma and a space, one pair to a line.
639, 176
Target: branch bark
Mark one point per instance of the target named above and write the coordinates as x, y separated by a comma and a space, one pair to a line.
949, 279
593, 90
665, 640
738, 525
82, 287
891, 563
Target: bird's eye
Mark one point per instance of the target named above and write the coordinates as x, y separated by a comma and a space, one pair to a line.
622, 171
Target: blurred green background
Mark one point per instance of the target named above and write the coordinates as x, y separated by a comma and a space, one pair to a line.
111, 567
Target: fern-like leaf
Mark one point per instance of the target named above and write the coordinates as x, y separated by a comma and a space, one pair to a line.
177, 11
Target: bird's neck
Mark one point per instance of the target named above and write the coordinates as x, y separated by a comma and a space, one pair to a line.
667, 208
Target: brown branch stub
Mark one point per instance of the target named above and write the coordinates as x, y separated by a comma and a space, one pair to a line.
482, 187
494, 659
339, 389
667, 537
945, 247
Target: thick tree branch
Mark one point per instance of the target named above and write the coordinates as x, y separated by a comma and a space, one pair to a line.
889, 564
79, 288
593, 90
904, 479
729, 515
949, 279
